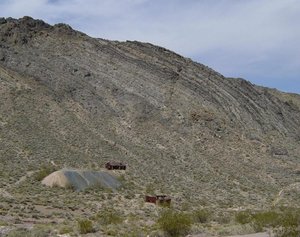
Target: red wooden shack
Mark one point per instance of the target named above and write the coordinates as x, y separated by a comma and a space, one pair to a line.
159, 200
111, 165
151, 199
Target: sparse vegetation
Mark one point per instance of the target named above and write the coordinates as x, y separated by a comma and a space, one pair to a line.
19, 233
35, 232
109, 216
65, 230
284, 221
174, 223
243, 217
266, 219
85, 226
44, 172
201, 215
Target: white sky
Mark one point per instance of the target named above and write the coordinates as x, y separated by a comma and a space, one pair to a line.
258, 40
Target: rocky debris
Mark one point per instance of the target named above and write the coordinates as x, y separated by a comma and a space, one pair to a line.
279, 151
64, 29
20, 31
2, 20
87, 74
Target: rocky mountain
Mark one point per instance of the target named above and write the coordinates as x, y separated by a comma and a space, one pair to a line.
182, 128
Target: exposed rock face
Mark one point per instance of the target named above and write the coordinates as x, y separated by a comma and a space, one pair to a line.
175, 122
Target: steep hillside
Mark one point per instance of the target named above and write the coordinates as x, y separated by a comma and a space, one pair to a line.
182, 128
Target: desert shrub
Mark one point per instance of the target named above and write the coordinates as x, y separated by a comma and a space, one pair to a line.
287, 232
2, 223
243, 217
289, 223
201, 215
122, 178
266, 219
174, 223
22, 232
290, 217
150, 189
85, 226
134, 231
19, 233
285, 222
65, 230
259, 219
222, 217
109, 216
43, 172
40, 232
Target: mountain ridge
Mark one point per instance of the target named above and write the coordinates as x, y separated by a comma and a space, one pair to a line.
182, 128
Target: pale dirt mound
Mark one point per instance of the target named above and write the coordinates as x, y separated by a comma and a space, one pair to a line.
80, 180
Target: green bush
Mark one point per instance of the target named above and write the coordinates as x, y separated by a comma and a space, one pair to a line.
201, 216
290, 218
19, 233
174, 223
150, 189
36, 232
109, 216
287, 232
290, 223
285, 222
85, 226
65, 230
266, 219
222, 218
243, 217
43, 172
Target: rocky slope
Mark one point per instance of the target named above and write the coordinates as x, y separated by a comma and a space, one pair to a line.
182, 128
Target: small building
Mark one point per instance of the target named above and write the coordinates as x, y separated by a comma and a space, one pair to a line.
111, 165
151, 199
159, 200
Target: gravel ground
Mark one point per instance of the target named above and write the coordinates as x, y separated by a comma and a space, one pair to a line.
264, 234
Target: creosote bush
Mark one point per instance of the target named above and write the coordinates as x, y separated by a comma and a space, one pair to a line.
65, 230
19, 233
201, 215
174, 223
243, 217
284, 221
109, 216
85, 226
266, 219
35, 232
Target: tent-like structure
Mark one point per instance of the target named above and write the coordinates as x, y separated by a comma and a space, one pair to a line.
80, 180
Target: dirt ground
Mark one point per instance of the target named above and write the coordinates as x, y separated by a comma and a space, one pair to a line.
265, 234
